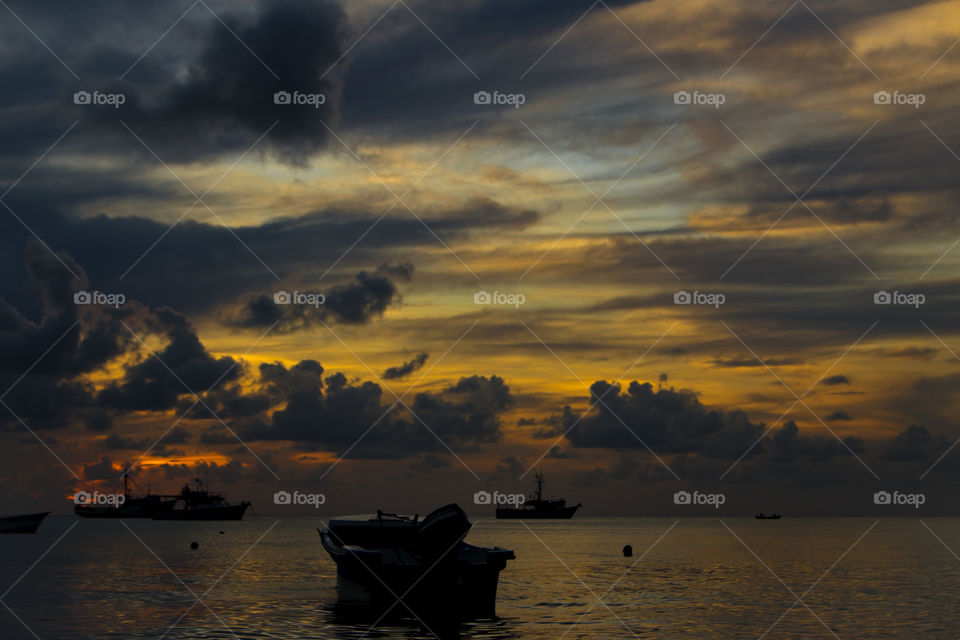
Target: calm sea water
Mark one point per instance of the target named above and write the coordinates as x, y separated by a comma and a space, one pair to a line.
101, 581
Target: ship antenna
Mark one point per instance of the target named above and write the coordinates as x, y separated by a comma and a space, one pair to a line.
539, 486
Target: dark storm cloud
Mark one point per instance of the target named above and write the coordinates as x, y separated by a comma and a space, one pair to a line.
206, 90
787, 443
354, 303
332, 412
835, 380
226, 99
198, 267
667, 420
40, 360
408, 367
698, 442
184, 366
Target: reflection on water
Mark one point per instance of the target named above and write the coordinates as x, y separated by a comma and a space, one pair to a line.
100, 581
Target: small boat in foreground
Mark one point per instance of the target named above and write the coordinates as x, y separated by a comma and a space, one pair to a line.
425, 563
26, 523
772, 516
196, 503
537, 508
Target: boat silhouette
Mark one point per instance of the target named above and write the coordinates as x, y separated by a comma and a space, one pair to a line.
197, 503
536, 507
134, 505
772, 516
26, 523
424, 566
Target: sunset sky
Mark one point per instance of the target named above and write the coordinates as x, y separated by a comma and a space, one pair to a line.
789, 188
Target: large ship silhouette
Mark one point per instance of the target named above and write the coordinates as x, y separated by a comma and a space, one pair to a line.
536, 507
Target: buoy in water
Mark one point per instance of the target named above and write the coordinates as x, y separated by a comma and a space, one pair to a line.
628, 551
194, 545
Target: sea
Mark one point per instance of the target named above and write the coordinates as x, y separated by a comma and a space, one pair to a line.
688, 578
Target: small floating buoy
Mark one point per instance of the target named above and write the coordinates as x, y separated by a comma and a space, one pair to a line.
194, 545
221, 533
628, 551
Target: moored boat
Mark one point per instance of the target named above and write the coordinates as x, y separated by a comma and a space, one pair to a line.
26, 523
772, 516
131, 505
423, 566
196, 503
537, 508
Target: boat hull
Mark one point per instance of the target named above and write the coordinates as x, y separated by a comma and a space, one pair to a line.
139, 509
222, 512
27, 523
560, 513
463, 583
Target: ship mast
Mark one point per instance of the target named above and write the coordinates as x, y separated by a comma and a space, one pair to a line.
539, 486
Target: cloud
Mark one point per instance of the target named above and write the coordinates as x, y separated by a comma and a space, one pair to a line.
835, 380
354, 303
332, 413
408, 367
667, 420
839, 415
915, 443
223, 99
184, 366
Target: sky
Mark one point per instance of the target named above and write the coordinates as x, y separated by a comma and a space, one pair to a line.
400, 252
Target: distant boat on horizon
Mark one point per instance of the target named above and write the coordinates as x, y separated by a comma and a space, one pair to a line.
772, 516
197, 503
143, 505
26, 523
537, 508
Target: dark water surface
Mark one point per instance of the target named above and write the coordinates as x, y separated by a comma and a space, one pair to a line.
702, 580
